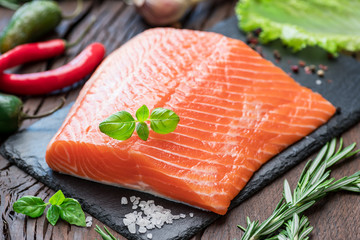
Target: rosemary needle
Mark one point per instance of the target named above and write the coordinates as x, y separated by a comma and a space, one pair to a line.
314, 183
296, 229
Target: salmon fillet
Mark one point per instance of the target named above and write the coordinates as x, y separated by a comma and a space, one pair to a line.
237, 110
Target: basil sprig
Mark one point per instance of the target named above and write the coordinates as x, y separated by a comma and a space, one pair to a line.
67, 209
122, 125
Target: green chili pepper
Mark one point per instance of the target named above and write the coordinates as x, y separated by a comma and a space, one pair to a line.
11, 114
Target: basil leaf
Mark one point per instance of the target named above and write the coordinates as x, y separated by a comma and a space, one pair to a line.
57, 198
163, 120
142, 130
30, 206
142, 113
120, 125
53, 214
70, 211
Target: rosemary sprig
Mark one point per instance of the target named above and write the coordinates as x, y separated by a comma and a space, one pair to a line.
295, 229
314, 183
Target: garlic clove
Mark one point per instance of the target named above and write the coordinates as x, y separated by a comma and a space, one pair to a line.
162, 12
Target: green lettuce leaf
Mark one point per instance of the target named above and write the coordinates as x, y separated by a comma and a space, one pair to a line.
333, 25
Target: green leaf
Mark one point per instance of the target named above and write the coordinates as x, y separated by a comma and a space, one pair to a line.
142, 130
315, 164
273, 227
287, 192
142, 113
120, 125
163, 120
304, 23
341, 155
57, 198
70, 211
30, 206
53, 214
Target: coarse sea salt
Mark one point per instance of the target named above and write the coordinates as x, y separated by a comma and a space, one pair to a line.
148, 216
88, 221
124, 201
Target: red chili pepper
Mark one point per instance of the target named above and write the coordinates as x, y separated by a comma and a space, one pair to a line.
32, 52
48, 81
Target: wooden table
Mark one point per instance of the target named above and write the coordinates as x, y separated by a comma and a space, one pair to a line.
335, 217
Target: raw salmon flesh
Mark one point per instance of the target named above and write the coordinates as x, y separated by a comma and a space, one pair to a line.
237, 110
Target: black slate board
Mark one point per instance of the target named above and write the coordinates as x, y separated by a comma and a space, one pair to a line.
27, 148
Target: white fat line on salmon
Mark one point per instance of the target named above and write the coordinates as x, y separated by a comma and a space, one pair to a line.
203, 191
212, 124
274, 96
226, 142
275, 111
225, 152
243, 70
212, 161
235, 81
244, 49
254, 114
204, 185
242, 127
233, 165
280, 87
255, 103
252, 121
274, 93
260, 63
243, 78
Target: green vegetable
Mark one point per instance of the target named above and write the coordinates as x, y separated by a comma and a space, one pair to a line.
11, 115
32, 21
53, 214
142, 130
68, 209
121, 125
29, 23
332, 25
30, 206
57, 199
105, 236
163, 120
314, 183
142, 113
